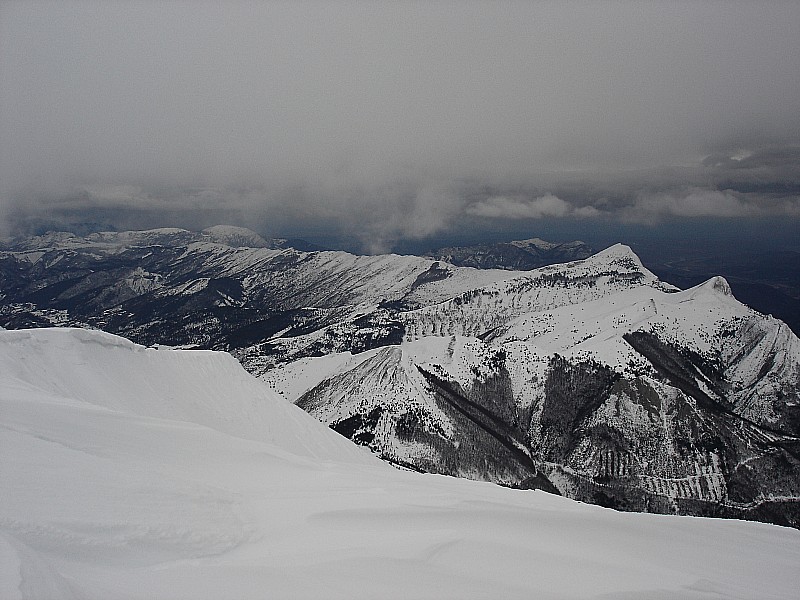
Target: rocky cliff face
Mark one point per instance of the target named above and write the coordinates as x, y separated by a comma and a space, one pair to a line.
590, 378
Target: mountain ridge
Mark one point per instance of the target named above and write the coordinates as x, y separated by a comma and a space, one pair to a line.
521, 255
620, 389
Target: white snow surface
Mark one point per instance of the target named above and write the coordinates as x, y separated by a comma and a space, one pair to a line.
235, 236
131, 473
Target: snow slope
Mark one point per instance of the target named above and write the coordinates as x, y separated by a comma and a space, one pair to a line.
128, 472
100, 371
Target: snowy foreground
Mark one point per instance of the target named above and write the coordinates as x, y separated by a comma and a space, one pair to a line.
141, 473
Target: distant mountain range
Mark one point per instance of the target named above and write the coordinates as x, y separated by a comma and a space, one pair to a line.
522, 255
590, 378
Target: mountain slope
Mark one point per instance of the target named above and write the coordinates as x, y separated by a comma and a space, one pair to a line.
119, 479
591, 378
159, 286
522, 255
201, 387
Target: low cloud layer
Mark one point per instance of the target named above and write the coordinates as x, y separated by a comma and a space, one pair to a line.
503, 207
385, 122
694, 202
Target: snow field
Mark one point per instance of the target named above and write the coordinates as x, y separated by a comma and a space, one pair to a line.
137, 473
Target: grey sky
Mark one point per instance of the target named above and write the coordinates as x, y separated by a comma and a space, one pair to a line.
391, 120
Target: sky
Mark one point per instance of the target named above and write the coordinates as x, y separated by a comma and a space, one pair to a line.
388, 124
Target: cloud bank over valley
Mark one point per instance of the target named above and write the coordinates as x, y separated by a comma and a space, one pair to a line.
388, 122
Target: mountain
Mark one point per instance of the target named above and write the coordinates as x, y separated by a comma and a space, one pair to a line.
592, 378
227, 235
522, 255
133, 472
183, 288
767, 280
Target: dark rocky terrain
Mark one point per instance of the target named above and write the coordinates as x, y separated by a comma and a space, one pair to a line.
521, 255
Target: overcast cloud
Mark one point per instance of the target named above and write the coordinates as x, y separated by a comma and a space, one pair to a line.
390, 120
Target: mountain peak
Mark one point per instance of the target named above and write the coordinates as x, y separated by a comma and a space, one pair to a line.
535, 242
620, 255
233, 236
617, 250
719, 284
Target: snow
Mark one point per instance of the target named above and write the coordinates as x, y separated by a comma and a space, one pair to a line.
128, 472
191, 287
582, 311
292, 380
146, 237
201, 387
535, 242
235, 236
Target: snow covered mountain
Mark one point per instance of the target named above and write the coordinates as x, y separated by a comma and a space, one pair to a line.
175, 286
591, 378
132, 472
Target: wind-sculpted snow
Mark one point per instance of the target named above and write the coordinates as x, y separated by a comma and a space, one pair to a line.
200, 387
125, 474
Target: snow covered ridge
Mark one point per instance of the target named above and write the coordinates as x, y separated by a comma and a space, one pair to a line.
590, 378
165, 236
128, 472
92, 368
